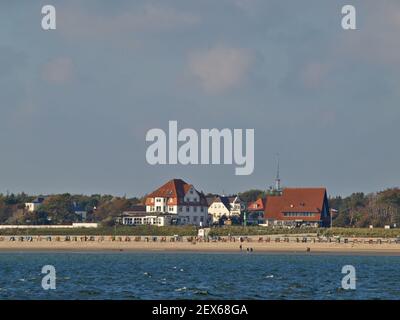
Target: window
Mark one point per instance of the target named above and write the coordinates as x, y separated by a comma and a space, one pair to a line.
201, 219
158, 200
195, 219
170, 209
299, 214
187, 209
195, 209
180, 209
158, 208
201, 209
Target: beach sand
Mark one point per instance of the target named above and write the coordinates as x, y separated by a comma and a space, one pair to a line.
271, 247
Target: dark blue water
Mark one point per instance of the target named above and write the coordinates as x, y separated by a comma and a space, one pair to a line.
197, 276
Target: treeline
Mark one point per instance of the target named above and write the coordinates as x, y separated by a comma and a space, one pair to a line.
60, 208
357, 210
362, 210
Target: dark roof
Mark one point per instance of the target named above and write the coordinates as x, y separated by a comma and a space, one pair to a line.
224, 200
38, 200
77, 207
210, 199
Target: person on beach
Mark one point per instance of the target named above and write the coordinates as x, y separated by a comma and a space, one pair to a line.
240, 247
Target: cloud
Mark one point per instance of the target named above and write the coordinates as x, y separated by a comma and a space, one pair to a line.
221, 68
74, 22
58, 71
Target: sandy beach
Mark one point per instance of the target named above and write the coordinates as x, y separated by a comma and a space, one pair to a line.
359, 247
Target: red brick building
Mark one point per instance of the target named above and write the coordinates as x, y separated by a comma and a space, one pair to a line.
296, 207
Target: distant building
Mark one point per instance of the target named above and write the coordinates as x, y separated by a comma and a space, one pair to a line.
35, 204
297, 207
179, 200
78, 210
219, 208
222, 207
255, 212
237, 206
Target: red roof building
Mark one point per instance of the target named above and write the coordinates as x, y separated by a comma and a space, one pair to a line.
257, 205
178, 198
298, 207
255, 212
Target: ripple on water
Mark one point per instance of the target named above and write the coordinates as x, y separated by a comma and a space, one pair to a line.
174, 275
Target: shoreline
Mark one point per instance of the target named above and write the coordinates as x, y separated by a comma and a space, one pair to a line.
205, 247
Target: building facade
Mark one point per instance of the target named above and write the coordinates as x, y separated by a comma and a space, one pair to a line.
181, 201
226, 208
35, 204
219, 208
255, 212
298, 207
140, 219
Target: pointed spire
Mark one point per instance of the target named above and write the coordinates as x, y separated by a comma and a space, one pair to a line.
277, 179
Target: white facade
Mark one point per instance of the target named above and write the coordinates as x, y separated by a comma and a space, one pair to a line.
189, 212
32, 206
147, 220
233, 206
217, 209
237, 206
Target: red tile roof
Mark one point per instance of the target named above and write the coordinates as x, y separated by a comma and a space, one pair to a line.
296, 200
257, 205
175, 190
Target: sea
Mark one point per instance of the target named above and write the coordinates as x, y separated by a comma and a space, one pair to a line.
133, 275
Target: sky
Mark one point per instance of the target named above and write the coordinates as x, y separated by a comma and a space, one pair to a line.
76, 102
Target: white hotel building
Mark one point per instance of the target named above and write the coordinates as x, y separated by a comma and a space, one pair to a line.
176, 202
